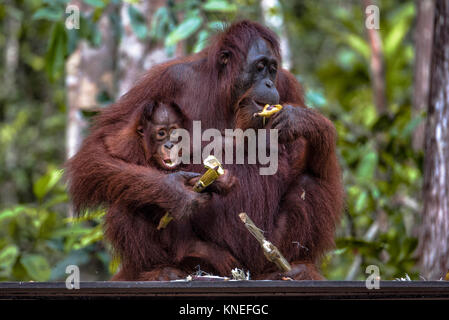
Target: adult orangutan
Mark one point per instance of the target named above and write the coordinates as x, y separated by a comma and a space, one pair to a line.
222, 86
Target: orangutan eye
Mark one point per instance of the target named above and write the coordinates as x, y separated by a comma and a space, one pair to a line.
274, 68
260, 66
161, 133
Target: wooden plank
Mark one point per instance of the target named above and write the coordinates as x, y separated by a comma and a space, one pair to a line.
233, 289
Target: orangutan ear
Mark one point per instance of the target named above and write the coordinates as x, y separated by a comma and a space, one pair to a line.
224, 57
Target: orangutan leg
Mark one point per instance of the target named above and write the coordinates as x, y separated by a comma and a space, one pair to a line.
123, 275
162, 274
299, 271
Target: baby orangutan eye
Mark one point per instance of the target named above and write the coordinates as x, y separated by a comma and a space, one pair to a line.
161, 133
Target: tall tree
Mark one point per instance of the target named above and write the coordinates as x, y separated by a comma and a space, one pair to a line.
273, 18
89, 72
434, 244
136, 53
423, 55
377, 64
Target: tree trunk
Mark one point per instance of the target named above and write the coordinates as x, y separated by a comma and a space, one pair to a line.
89, 73
12, 27
423, 45
8, 92
377, 66
135, 56
274, 19
434, 236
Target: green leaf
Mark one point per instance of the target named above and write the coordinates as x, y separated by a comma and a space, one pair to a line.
114, 264
360, 203
45, 183
396, 34
394, 38
411, 126
183, 31
358, 44
8, 256
220, 6
88, 30
138, 22
53, 2
57, 51
361, 245
201, 41
339, 251
159, 23
216, 25
95, 3
50, 13
94, 235
346, 58
73, 231
36, 266
315, 99
11, 213
57, 199
367, 167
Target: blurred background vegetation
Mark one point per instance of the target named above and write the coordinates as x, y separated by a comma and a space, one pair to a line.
325, 45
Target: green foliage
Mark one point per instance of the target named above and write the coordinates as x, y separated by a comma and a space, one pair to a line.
63, 41
379, 165
37, 242
219, 6
50, 13
183, 31
44, 184
138, 22
57, 52
201, 19
96, 3
330, 55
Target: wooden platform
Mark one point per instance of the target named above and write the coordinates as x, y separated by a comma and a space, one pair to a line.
210, 290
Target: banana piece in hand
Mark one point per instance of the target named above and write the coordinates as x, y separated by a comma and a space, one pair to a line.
268, 111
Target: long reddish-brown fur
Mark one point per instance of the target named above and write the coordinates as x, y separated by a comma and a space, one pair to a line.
297, 208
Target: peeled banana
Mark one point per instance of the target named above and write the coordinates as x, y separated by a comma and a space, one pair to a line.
268, 111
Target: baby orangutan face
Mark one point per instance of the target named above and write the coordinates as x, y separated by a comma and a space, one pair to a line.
155, 131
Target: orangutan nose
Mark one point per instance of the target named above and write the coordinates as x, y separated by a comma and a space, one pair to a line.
269, 83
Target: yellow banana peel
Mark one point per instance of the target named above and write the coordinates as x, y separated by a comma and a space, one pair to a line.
165, 220
214, 170
268, 111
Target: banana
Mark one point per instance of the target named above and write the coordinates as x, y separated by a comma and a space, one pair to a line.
214, 170
165, 220
268, 111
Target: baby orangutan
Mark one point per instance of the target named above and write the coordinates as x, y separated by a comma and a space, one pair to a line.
155, 130
174, 251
